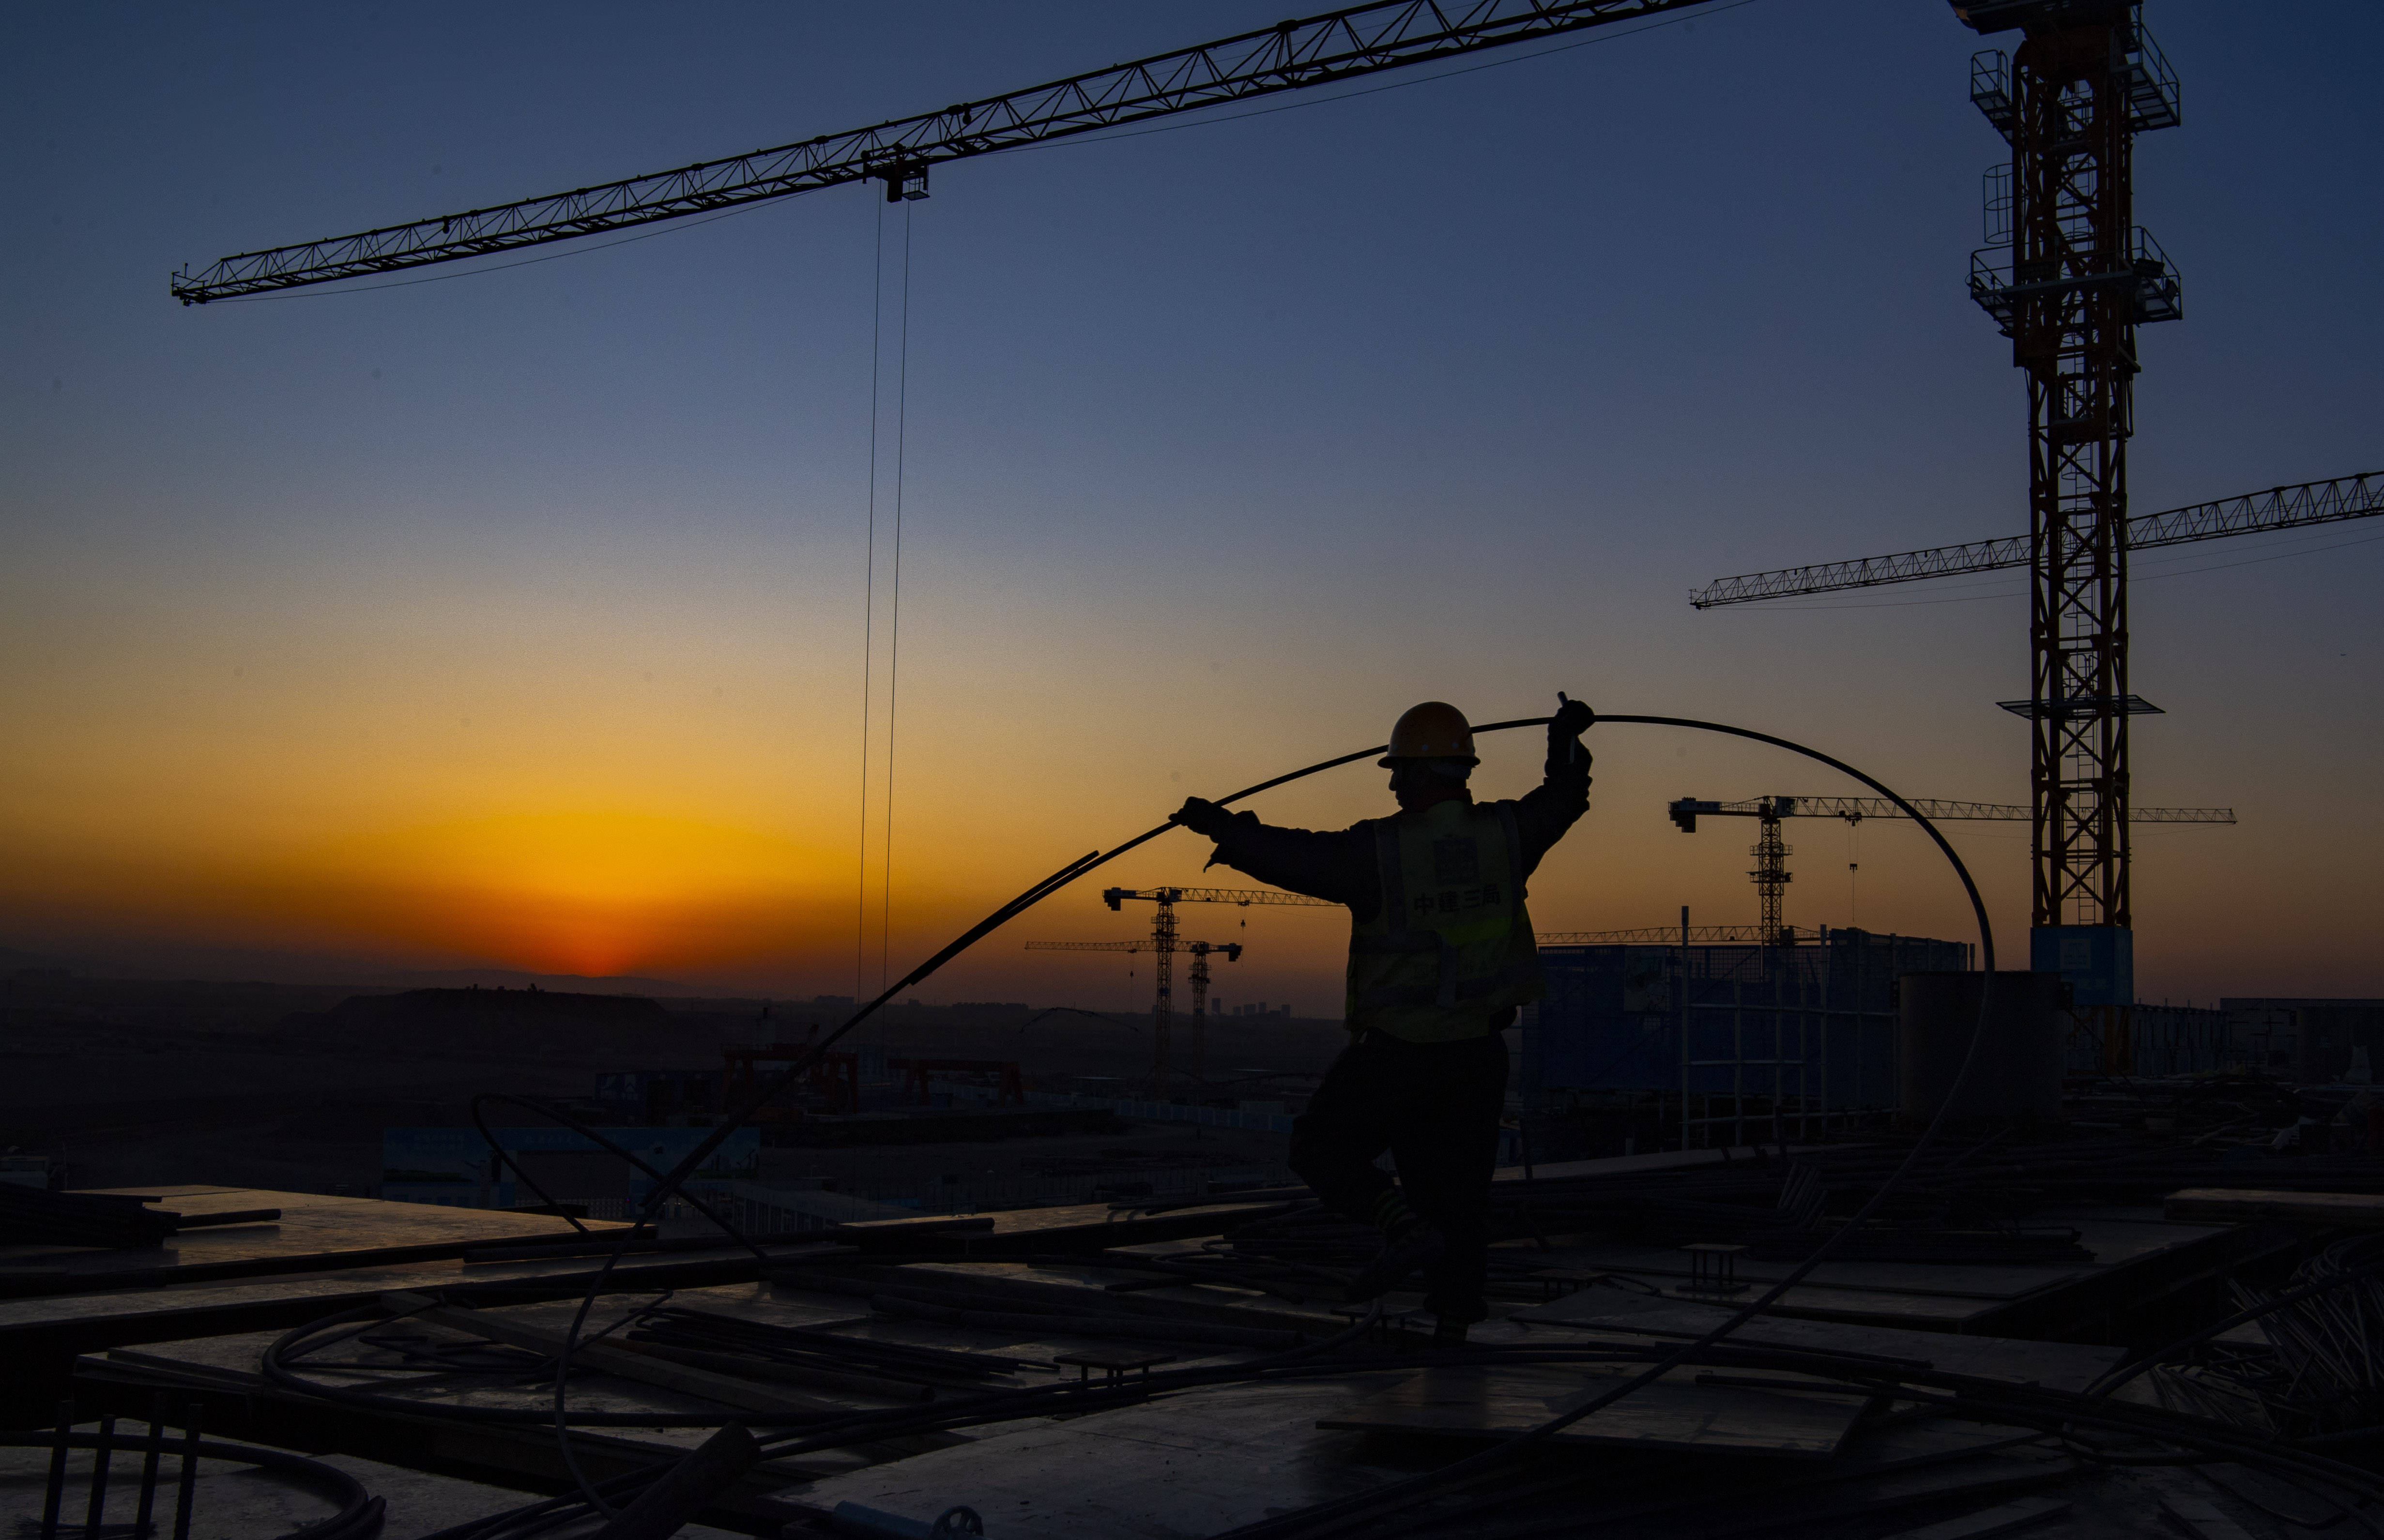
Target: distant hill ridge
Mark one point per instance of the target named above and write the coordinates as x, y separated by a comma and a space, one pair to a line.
297, 970
473, 1000
500, 978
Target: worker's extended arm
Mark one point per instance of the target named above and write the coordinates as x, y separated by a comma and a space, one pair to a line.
1337, 868
1543, 815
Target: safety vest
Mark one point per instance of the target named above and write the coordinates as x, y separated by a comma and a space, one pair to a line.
1451, 947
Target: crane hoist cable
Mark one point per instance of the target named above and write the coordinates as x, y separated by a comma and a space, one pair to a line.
869, 609
1333, 1516
894, 627
869, 600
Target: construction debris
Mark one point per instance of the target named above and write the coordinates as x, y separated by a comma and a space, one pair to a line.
1196, 1375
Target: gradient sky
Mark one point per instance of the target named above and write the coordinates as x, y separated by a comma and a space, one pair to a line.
517, 619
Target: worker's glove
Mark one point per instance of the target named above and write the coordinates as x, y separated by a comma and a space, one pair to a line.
1202, 818
1565, 753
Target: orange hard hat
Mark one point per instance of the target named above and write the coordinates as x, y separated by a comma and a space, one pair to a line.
1433, 731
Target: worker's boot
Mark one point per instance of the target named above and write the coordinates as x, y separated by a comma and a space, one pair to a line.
1402, 1256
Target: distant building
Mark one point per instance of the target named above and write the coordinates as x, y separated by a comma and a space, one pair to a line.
1732, 1033
455, 1167
530, 1004
2305, 1040
29, 1171
658, 1098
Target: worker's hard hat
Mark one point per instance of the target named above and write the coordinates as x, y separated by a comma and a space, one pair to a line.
1433, 731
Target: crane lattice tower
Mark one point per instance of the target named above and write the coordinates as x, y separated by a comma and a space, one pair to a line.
2068, 277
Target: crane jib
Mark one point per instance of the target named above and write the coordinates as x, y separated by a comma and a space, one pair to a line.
1291, 55
2293, 507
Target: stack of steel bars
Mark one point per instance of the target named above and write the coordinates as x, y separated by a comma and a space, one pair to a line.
2321, 1370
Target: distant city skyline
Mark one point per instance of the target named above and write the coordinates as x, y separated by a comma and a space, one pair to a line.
515, 619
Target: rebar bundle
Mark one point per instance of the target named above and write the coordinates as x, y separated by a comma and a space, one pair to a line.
2323, 1371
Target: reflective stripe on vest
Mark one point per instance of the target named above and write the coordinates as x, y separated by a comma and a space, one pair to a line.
1451, 947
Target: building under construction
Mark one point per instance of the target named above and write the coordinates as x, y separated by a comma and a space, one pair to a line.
1716, 1042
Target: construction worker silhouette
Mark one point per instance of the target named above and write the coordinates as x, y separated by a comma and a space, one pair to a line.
1440, 953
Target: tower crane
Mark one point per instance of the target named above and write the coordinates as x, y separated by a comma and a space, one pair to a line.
1162, 925
1772, 874
1164, 946
2067, 276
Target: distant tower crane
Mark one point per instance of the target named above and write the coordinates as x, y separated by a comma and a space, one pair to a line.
1771, 876
1163, 945
1163, 924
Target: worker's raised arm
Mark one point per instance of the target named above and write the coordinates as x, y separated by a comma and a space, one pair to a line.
1543, 815
1337, 868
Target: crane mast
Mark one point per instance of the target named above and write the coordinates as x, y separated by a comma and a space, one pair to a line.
1770, 874
2081, 276
2068, 277
1162, 1009
1197, 1067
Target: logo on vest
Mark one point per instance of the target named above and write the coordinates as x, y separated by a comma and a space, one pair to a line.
1451, 900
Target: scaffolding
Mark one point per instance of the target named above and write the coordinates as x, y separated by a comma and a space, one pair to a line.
1739, 1044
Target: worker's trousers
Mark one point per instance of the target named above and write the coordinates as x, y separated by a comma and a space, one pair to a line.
1434, 1107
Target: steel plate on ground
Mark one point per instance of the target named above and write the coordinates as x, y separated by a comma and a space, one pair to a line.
1673, 1414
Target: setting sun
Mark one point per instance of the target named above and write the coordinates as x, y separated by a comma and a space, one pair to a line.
594, 892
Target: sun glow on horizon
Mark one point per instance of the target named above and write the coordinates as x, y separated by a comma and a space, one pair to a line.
596, 892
